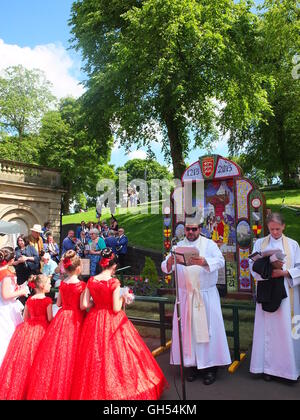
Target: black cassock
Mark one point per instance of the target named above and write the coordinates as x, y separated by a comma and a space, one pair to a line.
270, 291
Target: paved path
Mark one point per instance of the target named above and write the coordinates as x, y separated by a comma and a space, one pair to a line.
238, 386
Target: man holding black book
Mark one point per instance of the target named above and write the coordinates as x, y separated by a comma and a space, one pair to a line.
276, 347
205, 344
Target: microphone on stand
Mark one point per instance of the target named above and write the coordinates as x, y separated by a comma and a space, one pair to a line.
177, 238
174, 242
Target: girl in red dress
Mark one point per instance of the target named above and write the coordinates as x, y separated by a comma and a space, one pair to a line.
53, 367
24, 343
113, 362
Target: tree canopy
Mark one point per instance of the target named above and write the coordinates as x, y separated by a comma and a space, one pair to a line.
67, 145
24, 97
272, 145
182, 68
27, 152
144, 169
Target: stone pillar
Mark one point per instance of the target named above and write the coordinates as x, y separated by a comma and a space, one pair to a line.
30, 194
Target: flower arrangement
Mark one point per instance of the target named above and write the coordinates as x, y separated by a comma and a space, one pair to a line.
147, 283
127, 294
138, 285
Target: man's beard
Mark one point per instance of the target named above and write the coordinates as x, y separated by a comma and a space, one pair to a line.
194, 238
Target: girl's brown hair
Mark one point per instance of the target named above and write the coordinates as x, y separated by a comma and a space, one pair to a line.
35, 281
6, 254
70, 261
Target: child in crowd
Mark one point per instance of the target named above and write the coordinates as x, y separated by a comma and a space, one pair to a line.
113, 362
53, 366
24, 343
10, 308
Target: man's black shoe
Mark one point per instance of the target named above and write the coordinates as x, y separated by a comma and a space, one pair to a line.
267, 378
192, 375
209, 378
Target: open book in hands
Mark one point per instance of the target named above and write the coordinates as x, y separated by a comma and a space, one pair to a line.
185, 253
274, 254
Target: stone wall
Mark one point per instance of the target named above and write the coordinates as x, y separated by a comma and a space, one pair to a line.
30, 194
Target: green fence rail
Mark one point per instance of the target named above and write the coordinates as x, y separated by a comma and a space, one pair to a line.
164, 323
235, 332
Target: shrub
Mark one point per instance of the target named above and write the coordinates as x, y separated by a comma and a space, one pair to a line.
150, 272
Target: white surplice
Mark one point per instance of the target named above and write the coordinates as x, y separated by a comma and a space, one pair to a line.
197, 285
276, 349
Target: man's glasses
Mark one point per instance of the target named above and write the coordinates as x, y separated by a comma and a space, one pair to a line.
193, 229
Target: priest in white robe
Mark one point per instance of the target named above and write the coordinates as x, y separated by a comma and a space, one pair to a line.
276, 342
204, 338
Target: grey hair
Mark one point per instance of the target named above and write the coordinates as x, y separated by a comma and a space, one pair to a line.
275, 217
95, 231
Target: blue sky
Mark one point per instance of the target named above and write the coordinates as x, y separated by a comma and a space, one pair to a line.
35, 33
32, 22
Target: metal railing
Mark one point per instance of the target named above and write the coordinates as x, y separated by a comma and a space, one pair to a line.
164, 323
235, 332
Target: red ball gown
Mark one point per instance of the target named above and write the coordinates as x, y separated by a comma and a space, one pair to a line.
22, 349
53, 367
113, 362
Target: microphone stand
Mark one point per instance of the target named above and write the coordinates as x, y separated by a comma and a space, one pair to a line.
178, 311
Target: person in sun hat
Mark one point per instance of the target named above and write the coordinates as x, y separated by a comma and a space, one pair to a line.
36, 240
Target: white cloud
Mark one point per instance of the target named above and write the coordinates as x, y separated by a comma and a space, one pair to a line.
137, 154
53, 59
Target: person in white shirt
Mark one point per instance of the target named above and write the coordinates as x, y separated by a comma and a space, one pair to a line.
205, 345
276, 345
49, 268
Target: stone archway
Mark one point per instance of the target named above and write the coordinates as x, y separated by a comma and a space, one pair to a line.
25, 217
30, 194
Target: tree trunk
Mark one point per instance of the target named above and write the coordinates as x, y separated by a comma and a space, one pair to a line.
176, 147
283, 154
21, 131
66, 200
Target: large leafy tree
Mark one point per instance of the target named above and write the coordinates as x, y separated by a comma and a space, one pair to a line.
68, 146
180, 67
27, 152
145, 169
25, 96
273, 145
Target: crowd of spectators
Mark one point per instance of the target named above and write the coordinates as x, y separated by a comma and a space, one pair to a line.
31, 250
90, 238
39, 253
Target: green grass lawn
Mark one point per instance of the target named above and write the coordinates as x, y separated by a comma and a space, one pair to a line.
292, 198
145, 230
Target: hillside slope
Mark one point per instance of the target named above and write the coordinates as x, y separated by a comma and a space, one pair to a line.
145, 230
